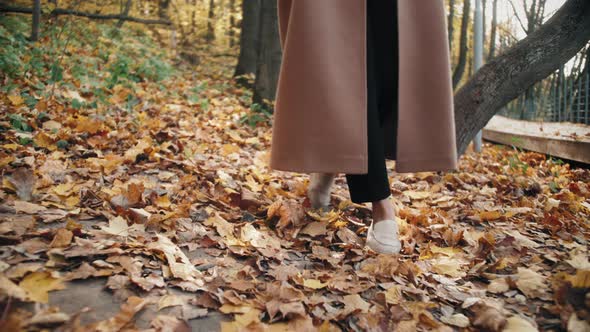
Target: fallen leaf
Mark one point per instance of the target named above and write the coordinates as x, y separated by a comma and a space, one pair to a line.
170, 301
23, 179
28, 208
9, 288
39, 284
518, 324
128, 310
498, 285
531, 283
314, 284
180, 266
458, 320
62, 238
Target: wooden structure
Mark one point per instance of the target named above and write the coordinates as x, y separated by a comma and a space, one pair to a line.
560, 139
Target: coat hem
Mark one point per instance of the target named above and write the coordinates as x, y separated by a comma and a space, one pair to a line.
350, 166
344, 165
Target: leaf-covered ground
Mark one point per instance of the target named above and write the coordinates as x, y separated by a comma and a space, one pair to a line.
155, 183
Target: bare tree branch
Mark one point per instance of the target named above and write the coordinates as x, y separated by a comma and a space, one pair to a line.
61, 11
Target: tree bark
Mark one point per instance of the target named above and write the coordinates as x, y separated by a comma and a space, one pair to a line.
248, 39
494, 28
450, 25
508, 75
269, 55
124, 13
460, 68
232, 23
36, 19
210, 36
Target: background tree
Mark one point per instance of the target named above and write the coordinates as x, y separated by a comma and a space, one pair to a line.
463, 48
248, 40
269, 54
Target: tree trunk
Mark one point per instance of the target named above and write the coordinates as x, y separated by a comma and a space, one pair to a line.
163, 6
36, 19
124, 13
210, 36
232, 23
508, 75
460, 68
269, 54
248, 40
494, 28
450, 25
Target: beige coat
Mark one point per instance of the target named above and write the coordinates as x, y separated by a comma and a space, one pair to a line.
320, 120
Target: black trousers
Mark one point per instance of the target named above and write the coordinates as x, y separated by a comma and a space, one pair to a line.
382, 62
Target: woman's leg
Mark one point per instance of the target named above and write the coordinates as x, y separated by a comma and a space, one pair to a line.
374, 185
319, 189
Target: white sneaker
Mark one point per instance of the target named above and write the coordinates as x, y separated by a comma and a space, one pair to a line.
383, 237
320, 187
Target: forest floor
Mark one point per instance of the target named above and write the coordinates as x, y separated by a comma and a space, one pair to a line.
144, 202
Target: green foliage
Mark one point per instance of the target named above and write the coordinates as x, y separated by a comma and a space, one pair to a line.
258, 114
554, 187
514, 162
61, 144
12, 45
95, 57
19, 123
25, 141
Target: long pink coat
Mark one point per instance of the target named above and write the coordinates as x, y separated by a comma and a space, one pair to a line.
320, 120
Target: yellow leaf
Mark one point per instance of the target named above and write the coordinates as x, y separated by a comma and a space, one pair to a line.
16, 100
39, 284
581, 279
417, 194
393, 295
489, 215
314, 284
45, 141
87, 125
63, 189
163, 202
11, 146
449, 266
227, 149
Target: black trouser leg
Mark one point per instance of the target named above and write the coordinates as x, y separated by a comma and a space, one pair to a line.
382, 97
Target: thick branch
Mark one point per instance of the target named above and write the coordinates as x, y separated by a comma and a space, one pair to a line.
61, 11
508, 75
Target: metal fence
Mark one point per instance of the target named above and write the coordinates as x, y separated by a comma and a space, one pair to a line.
564, 96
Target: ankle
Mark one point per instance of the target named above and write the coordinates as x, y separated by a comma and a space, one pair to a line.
383, 209
321, 182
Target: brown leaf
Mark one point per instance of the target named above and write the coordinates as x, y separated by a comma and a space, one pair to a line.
488, 318
62, 238
128, 310
23, 179
165, 323
9, 288
180, 265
